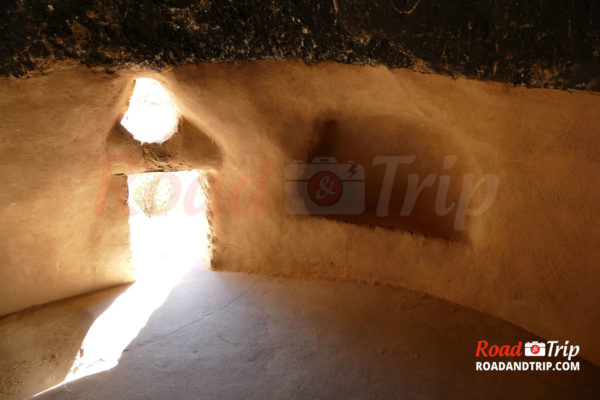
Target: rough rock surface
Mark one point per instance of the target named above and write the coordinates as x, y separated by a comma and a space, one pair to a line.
544, 43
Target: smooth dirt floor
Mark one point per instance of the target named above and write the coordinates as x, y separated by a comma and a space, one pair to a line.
225, 335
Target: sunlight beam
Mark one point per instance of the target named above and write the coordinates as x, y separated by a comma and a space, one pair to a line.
168, 238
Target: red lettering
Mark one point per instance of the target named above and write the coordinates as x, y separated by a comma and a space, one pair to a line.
258, 184
493, 351
481, 346
189, 203
515, 351
109, 183
484, 349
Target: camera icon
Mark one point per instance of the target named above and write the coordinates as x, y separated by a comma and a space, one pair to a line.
535, 349
325, 187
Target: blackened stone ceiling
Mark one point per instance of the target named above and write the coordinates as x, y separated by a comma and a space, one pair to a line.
539, 43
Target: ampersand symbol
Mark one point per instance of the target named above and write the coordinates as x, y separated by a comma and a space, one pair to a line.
324, 188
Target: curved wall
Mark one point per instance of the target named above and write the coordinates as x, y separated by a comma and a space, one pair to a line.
531, 258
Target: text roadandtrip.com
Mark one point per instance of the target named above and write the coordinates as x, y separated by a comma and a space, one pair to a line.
550, 349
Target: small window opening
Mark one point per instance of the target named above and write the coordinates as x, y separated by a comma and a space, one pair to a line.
151, 116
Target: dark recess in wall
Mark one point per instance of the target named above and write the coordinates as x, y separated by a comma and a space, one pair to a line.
543, 43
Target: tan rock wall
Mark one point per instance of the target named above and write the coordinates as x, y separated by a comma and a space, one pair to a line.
530, 259
60, 237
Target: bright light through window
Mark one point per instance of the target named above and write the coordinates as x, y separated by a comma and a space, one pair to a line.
151, 117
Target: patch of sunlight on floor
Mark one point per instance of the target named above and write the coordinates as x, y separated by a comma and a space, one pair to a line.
169, 236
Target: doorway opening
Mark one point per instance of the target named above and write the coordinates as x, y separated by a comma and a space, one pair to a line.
168, 223
169, 235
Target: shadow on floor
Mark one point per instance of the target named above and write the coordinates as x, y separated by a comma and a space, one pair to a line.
230, 336
38, 346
